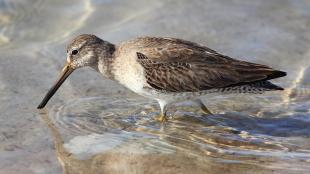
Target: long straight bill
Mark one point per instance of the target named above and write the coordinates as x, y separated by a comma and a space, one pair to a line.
66, 71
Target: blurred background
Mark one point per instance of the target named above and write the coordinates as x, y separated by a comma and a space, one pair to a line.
251, 134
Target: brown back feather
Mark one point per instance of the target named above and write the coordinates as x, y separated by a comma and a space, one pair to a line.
181, 66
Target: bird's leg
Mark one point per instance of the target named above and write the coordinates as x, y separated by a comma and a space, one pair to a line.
203, 107
163, 111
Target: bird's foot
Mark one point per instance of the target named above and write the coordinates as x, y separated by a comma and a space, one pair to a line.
162, 118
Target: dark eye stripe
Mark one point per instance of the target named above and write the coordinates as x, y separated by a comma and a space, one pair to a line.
74, 52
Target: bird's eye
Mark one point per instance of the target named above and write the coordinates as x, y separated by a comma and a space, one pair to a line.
74, 52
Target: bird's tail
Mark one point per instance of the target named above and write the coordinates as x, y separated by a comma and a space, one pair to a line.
265, 85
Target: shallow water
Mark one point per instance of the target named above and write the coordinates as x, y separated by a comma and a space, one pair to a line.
98, 127
93, 125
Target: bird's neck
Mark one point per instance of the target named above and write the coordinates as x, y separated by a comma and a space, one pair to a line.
104, 64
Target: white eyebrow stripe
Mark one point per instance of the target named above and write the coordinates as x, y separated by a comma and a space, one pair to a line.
77, 47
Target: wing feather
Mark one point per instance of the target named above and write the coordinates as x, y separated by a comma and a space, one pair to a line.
181, 66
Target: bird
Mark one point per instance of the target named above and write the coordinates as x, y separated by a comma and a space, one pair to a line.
167, 70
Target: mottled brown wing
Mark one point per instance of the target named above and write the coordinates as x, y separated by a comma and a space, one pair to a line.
169, 43
182, 66
172, 49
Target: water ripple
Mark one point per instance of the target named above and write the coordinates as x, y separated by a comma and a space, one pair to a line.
128, 125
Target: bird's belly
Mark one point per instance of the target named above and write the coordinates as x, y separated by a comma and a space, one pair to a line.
172, 97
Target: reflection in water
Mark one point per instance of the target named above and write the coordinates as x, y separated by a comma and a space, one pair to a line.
117, 135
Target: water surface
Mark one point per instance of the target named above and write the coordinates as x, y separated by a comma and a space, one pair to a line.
93, 125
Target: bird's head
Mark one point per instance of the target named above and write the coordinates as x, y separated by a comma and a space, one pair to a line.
84, 50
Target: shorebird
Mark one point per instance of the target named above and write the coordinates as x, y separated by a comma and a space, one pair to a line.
168, 70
